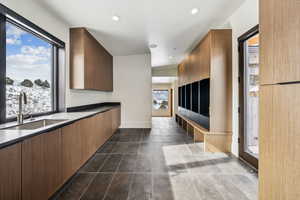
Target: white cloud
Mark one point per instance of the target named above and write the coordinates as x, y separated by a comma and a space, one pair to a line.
13, 41
14, 34
22, 59
29, 58
40, 51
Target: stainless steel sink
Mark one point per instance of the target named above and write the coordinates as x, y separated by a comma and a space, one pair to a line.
35, 124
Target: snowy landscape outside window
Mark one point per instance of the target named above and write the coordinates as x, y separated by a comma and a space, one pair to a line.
160, 99
29, 68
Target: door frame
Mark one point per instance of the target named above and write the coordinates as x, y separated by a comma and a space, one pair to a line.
242, 153
170, 102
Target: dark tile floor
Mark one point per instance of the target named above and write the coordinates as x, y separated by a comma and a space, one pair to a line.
161, 164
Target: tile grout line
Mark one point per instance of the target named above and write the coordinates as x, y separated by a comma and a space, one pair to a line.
112, 178
85, 190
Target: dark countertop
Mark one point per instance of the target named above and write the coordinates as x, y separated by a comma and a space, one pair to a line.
9, 137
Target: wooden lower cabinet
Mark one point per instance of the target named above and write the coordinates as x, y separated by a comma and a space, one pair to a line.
41, 165
37, 167
87, 130
116, 119
107, 125
10, 172
279, 146
100, 137
72, 158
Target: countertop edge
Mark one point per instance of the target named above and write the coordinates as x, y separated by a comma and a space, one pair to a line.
63, 124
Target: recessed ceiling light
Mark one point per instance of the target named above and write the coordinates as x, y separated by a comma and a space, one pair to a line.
194, 11
116, 18
153, 46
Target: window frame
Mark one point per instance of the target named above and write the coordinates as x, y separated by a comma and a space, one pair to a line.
244, 155
157, 90
7, 15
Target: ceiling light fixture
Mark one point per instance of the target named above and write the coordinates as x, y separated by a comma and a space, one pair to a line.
116, 18
153, 46
194, 11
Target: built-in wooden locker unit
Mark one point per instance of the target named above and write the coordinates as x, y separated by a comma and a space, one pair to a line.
210, 60
279, 138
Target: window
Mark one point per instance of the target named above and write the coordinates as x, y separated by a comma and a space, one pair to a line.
29, 63
160, 99
29, 69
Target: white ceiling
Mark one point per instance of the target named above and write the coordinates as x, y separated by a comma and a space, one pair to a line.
167, 23
163, 79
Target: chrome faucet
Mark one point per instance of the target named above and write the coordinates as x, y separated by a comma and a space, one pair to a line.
22, 100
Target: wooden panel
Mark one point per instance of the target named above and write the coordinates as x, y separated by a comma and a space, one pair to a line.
76, 58
87, 132
108, 124
10, 173
91, 66
71, 150
198, 136
279, 41
41, 166
116, 119
217, 142
100, 137
205, 57
180, 74
221, 81
279, 163
98, 65
266, 36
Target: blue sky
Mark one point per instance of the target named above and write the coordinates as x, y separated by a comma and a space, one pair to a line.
27, 56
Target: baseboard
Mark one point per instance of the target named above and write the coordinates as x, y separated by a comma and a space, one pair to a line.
143, 124
245, 162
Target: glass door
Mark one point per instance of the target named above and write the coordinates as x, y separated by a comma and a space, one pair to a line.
249, 96
161, 103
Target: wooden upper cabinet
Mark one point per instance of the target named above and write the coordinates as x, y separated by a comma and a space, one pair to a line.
91, 65
10, 172
41, 166
279, 41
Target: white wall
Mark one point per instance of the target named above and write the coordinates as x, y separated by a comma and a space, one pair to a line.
132, 74
242, 20
132, 87
175, 97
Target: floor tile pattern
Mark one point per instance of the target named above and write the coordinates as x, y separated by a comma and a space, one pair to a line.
159, 164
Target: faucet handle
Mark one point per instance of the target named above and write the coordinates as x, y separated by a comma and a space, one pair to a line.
25, 97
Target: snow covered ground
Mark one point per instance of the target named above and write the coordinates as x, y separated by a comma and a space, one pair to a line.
39, 99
